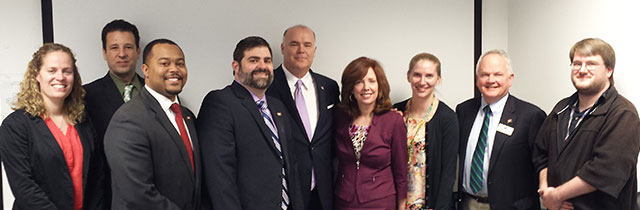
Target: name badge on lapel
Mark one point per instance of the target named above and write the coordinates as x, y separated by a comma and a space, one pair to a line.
505, 129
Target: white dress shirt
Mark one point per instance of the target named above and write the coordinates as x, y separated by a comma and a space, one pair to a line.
309, 94
165, 103
496, 110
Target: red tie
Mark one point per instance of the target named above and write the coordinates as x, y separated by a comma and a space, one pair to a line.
183, 131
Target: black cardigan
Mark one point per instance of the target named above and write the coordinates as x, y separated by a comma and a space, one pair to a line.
443, 137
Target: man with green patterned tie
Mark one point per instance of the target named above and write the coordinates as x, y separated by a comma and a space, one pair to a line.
121, 49
497, 131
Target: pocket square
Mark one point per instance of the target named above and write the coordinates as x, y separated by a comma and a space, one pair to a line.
330, 106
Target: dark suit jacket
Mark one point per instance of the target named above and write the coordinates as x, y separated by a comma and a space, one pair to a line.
316, 153
443, 139
512, 179
241, 164
37, 170
102, 100
150, 167
383, 159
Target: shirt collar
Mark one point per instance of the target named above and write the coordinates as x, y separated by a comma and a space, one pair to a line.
496, 107
253, 95
291, 79
120, 84
164, 102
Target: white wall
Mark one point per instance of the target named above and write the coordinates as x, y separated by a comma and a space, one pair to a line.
540, 34
388, 31
21, 36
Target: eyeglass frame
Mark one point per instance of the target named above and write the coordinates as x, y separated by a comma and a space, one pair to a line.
587, 65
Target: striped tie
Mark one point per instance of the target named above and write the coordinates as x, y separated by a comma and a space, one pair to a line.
276, 141
477, 163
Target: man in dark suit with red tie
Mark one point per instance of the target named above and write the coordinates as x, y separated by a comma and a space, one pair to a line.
497, 132
246, 137
310, 98
151, 143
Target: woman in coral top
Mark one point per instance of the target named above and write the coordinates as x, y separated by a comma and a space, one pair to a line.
48, 147
371, 142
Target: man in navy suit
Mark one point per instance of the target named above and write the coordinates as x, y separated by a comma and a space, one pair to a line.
246, 137
309, 97
121, 49
497, 132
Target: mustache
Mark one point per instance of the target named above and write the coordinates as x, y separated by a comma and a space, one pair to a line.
263, 70
179, 76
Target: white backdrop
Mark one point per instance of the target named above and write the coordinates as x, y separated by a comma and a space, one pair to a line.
388, 31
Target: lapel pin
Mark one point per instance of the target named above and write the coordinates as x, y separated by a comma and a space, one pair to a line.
279, 114
509, 120
321, 87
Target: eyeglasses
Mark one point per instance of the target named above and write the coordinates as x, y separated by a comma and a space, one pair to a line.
588, 66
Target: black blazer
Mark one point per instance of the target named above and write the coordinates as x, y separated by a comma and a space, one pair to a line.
241, 164
442, 135
37, 170
150, 167
512, 179
316, 153
101, 101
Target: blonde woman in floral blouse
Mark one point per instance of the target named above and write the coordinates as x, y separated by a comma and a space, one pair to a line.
432, 138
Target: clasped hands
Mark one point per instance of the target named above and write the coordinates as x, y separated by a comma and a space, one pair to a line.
551, 199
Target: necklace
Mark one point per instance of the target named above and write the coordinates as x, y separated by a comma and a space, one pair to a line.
422, 122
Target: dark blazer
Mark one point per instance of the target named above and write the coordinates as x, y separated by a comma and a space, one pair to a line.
512, 179
102, 100
443, 138
241, 164
37, 170
383, 159
316, 153
150, 167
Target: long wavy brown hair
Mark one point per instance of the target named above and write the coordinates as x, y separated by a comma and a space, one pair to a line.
30, 98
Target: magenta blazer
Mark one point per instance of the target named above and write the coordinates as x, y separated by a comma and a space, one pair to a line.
383, 159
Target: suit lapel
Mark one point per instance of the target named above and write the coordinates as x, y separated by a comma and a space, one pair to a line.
86, 139
280, 84
323, 111
466, 124
508, 118
163, 120
252, 108
280, 121
111, 92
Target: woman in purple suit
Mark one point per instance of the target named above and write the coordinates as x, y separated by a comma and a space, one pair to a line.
371, 142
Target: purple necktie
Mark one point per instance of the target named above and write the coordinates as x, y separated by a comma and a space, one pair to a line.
304, 116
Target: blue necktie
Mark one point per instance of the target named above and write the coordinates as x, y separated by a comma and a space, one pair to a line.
274, 137
477, 163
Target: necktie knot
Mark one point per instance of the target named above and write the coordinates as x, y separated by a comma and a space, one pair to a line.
175, 107
487, 110
299, 84
262, 105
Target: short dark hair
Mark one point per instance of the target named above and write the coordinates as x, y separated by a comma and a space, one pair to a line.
147, 49
354, 72
249, 43
119, 25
